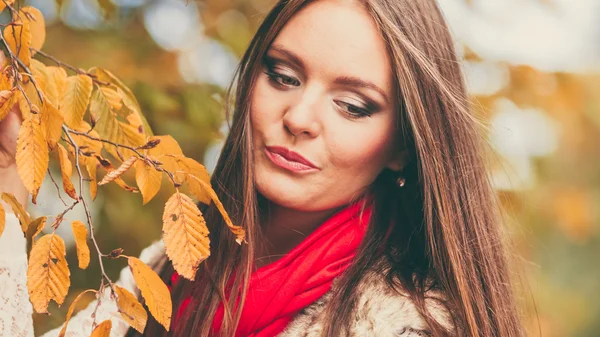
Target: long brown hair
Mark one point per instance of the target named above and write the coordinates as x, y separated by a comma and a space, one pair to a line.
446, 224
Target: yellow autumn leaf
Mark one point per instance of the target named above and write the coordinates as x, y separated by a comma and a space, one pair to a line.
109, 168
83, 251
66, 169
33, 229
32, 155
24, 104
7, 100
199, 171
167, 145
103, 329
239, 232
52, 122
124, 167
166, 151
4, 3
154, 291
75, 99
58, 76
128, 97
86, 145
37, 24
131, 310
102, 108
91, 169
41, 77
6, 78
48, 272
2, 219
18, 38
18, 210
70, 312
185, 235
148, 180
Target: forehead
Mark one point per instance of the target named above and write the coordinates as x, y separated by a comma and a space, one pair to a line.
338, 38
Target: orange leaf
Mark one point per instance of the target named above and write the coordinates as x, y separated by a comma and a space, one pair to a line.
103, 329
33, 229
75, 99
112, 175
32, 156
148, 180
70, 312
52, 122
185, 235
83, 251
66, 169
154, 291
48, 272
237, 230
36, 21
18, 210
18, 38
58, 76
3, 4
7, 100
91, 169
131, 310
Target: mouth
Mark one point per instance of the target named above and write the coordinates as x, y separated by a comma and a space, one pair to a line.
288, 159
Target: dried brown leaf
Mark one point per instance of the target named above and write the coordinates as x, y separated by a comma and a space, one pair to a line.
112, 175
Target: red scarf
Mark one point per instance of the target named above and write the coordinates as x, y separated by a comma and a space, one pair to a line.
278, 291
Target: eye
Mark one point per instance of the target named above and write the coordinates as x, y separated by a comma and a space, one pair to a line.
282, 79
354, 111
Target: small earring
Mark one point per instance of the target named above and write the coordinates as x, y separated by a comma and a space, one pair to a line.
400, 181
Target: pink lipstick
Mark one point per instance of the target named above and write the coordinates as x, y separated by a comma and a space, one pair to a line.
288, 159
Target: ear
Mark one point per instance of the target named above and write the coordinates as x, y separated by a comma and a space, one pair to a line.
398, 161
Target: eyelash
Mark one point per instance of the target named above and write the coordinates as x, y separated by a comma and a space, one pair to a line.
347, 107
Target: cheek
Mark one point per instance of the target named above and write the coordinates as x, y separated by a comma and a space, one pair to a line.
363, 153
264, 106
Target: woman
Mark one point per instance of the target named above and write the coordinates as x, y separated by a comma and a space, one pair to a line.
356, 169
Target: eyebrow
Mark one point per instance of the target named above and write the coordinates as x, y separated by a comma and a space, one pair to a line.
342, 80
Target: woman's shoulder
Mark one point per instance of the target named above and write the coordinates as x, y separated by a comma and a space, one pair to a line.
380, 310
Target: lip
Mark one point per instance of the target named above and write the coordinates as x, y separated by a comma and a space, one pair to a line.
288, 159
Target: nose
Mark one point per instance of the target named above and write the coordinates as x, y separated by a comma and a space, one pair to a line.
302, 116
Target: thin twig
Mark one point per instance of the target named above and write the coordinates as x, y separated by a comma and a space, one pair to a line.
89, 219
135, 150
68, 66
57, 188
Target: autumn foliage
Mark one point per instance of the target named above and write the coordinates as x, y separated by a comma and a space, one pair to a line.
92, 125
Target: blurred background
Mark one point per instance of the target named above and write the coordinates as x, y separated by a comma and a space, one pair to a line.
532, 66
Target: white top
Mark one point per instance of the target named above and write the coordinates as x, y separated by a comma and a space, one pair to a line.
15, 308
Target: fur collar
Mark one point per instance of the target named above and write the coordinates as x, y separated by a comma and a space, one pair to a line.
380, 311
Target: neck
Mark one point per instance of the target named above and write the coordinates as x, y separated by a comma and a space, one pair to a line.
285, 228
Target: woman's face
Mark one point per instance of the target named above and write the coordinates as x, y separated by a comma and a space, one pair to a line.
325, 93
